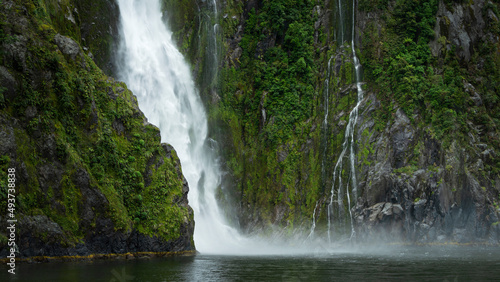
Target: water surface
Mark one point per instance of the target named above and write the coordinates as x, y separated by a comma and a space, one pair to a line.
427, 263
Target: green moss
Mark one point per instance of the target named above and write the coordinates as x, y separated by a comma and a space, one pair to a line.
69, 101
408, 170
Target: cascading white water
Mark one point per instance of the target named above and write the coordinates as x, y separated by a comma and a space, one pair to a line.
313, 226
348, 143
327, 92
158, 75
357, 70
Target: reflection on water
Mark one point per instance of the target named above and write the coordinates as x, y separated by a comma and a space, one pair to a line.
436, 263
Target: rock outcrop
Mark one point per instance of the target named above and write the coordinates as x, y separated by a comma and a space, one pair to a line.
443, 186
91, 174
439, 198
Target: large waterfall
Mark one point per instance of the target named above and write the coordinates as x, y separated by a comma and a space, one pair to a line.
161, 79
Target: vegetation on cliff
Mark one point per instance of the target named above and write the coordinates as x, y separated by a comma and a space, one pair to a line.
269, 98
279, 98
91, 173
428, 128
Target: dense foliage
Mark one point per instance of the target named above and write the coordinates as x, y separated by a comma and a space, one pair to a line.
80, 135
398, 62
268, 98
284, 71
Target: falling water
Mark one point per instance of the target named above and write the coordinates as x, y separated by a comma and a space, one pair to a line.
341, 23
347, 145
313, 226
327, 91
325, 130
212, 50
159, 76
357, 70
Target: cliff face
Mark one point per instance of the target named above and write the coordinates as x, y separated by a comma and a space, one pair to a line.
426, 161
432, 171
91, 174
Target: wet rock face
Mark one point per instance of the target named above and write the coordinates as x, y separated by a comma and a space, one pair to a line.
40, 236
382, 221
415, 190
99, 22
7, 138
9, 83
402, 135
447, 191
462, 26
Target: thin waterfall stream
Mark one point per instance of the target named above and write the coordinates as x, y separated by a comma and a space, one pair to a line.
348, 144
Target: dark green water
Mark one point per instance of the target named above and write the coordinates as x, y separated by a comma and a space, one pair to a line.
449, 263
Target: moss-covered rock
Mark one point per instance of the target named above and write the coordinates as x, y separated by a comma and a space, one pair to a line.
91, 174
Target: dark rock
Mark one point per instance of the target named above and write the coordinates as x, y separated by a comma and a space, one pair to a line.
68, 46
488, 156
9, 82
381, 185
49, 177
92, 199
30, 112
16, 53
236, 54
7, 138
120, 90
463, 27
118, 126
419, 209
37, 236
338, 63
93, 118
48, 147
382, 221
282, 154
402, 134
112, 93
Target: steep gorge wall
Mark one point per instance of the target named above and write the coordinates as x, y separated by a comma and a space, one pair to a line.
431, 173
427, 153
91, 174
273, 99
427, 160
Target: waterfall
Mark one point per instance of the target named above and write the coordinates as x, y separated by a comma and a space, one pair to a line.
348, 144
357, 70
325, 131
212, 50
161, 79
313, 226
341, 23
